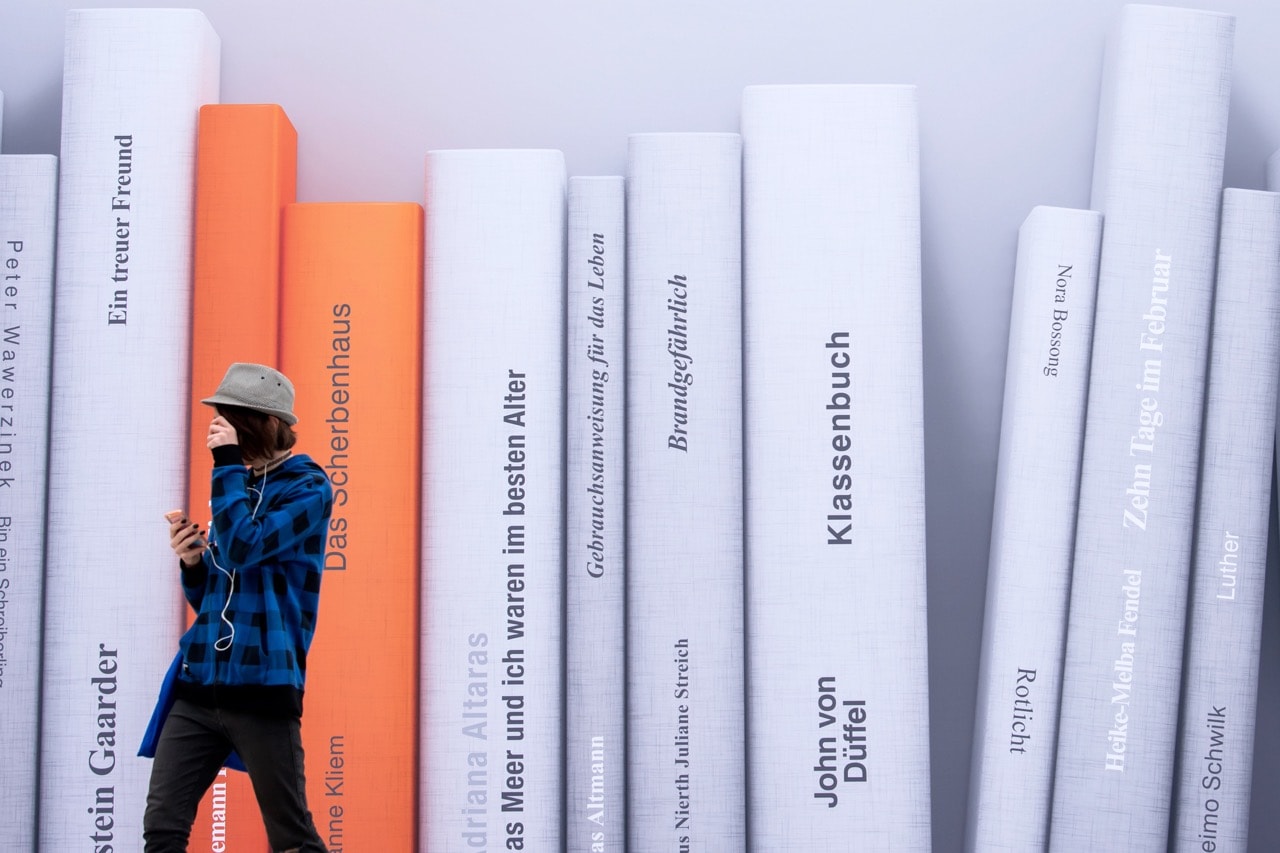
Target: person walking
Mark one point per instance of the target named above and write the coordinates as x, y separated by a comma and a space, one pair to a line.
253, 579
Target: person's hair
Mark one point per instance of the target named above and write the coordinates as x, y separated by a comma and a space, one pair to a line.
260, 436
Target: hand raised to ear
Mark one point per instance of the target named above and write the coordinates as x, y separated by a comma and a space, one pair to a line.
220, 433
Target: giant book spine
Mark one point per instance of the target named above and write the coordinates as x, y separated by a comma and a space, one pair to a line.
246, 172
595, 655
492, 518
28, 199
1158, 182
350, 339
1224, 634
837, 700
685, 694
1033, 529
133, 83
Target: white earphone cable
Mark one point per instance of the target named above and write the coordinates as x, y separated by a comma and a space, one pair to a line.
223, 643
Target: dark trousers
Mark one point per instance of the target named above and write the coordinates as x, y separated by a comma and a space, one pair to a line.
194, 743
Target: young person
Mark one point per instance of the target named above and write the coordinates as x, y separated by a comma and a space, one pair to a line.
253, 579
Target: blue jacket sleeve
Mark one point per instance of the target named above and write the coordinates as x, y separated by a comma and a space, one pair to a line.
194, 580
247, 539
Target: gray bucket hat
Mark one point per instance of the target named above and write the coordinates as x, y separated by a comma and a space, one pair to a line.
258, 387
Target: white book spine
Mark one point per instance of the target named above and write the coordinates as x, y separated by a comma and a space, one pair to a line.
838, 711
133, 83
1, 117
493, 547
1224, 636
1033, 529
595, 586
685, 783
1158, 182
28, 212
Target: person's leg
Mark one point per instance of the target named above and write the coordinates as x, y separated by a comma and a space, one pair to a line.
271, 749
190, 751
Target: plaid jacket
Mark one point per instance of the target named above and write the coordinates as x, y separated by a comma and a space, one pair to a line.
274, 549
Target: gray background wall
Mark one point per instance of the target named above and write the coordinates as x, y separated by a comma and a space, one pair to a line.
1008, 109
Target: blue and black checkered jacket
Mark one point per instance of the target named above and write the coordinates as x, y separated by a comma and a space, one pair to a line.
268, 533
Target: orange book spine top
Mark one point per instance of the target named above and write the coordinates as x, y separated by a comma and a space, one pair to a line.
246, 172
351, 339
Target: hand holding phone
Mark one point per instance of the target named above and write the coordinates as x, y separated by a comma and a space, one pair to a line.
186, 539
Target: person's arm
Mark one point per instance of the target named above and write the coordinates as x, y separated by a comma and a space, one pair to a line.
195, 579
247, 536
247, 539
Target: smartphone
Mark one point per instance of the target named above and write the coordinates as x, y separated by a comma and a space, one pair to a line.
174, 516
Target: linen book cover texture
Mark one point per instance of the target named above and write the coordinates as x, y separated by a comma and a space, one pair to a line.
133, 82
246, 172
1224, 634
838, 712
1033, 529
595, 655
28, 212
350, 339
1158, 183
685, 781
493, 501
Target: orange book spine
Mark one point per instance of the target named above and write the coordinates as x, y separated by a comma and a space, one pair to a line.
351, 340
246, 171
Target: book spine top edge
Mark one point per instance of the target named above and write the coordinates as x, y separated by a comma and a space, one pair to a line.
1041, 211
1082, 212
684, 134
19, 159
827, 87
123, 12
440, 153
336, 206
216, 110
1241, 194
597, 179
120, 17
1173, 11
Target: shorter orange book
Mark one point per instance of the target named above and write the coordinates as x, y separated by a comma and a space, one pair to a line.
351, 341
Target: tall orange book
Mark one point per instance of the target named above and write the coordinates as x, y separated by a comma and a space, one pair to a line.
351, 341
246, 172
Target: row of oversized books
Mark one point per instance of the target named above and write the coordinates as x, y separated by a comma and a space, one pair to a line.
628, 543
